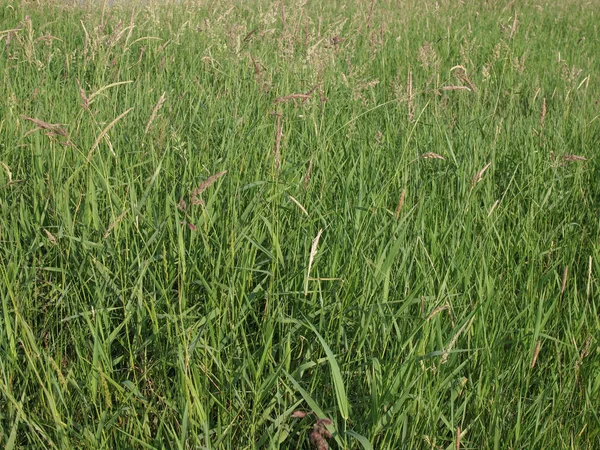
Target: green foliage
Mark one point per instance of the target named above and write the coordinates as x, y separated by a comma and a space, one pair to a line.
446, 150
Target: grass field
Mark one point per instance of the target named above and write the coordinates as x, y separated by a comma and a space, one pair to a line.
300, 224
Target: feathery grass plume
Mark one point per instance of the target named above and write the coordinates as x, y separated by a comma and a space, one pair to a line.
428, 56
573, 158
307, 174
564, 280
450, 346
257, 70
543, 114
197, 192
436, 311
85, 102
461, 74
52, 129
513, 28
8, 172
159, 105
431, 155
479, 175
320, 434
400, 203
277, 146
311, 258
114, 224
370, 16
103, 133
536, 352
50, 237
283, 17
306, 32
310, 92
585, 351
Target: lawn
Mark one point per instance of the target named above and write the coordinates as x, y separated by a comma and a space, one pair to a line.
300, 224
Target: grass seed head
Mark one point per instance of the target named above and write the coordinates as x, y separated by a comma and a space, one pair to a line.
479, 175
431, 155
197, 192
400, 203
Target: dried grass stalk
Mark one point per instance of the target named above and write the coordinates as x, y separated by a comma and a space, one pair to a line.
409, 93
456, 88
536, 352
437, 310
85, 102
52, 128
197, 192
277, 146
493, 207
461, 74
573, 158
114, 224
513, 28
311, 258
479, 175
50, 237
543, 114
8, 172
298, 205
257, 70
312, 90
159, 105
564, 280
307, 175
448, 349
104, 132
431, 155
400, 203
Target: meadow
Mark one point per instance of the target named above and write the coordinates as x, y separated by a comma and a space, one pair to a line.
300, 224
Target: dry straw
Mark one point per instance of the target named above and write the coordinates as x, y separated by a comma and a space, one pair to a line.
313, 253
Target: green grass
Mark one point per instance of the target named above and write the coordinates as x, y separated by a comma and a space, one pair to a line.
133, 319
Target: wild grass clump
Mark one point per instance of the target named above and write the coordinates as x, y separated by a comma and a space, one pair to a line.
299, 225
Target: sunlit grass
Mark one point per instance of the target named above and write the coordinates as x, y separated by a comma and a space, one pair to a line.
274, 225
